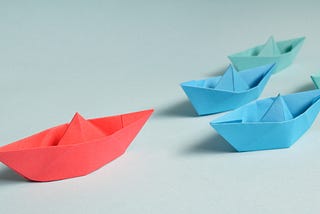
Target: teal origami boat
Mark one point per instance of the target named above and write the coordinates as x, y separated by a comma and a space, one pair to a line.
282, 53
316, 80
271, 123
229, 91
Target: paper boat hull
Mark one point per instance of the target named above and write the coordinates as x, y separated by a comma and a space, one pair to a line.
60, 162
209, 101
269, 135
247, 59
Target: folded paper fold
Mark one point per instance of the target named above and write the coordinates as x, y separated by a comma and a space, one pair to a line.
231, 81
270, 48
80, 130
270, 123
74, 149
282, 53
229, 91
316, 80
277, 112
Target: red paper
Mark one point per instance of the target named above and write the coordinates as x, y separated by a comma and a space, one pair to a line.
74, 149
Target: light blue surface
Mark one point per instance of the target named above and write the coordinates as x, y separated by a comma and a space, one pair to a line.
256, 126
229, 91
283, 54
107, 57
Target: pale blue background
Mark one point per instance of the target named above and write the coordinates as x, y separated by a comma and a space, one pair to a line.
107, 57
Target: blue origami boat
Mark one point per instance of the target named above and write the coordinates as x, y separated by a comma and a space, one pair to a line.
227, 92
271, 123
282, 53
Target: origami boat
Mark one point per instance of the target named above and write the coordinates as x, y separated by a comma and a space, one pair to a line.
316, 80
282, 53
74, 149
227, 92
271, 123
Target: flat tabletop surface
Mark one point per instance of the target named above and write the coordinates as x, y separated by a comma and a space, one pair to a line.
102, 58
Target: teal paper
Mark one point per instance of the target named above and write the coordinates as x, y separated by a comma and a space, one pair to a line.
227, 92
282, 53
316, 80
271, 123
270, 48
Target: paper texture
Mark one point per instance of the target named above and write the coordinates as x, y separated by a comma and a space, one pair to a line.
282, 53
270, 123
73, 149
229, 91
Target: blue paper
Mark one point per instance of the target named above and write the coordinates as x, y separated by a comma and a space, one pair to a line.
277, 112
232, 81
270, 123
227, 92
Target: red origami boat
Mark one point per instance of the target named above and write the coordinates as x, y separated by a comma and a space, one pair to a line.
74, 149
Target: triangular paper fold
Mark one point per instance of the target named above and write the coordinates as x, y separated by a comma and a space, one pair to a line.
80, 130
232, 81
81, 150
270, 48
277, 112
253, 135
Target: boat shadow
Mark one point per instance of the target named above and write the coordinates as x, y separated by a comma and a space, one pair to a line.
9, 176
217, 72
182, 108
306, 87
210, 145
